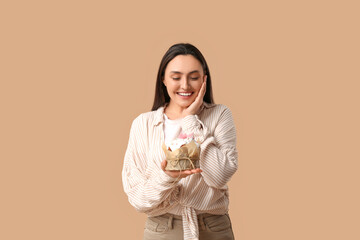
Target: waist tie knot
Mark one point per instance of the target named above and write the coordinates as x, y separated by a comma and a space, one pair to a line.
190, 223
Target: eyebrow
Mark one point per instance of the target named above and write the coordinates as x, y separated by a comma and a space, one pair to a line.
181, 72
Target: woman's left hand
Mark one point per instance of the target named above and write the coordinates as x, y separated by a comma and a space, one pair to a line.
179, 174
195, 106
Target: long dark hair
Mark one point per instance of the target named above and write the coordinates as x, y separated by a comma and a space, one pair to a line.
161, 94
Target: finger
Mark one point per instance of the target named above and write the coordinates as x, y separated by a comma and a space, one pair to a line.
187, 172
196, 171
201, 93
202, 90
163, 165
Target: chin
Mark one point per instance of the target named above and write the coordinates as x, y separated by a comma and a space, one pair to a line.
184, 104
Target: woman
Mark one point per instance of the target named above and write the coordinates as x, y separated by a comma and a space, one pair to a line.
190, 204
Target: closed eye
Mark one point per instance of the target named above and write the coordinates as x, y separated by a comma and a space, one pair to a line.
195, 78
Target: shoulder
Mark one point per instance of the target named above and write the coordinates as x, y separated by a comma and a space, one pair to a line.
217, 109
146, 119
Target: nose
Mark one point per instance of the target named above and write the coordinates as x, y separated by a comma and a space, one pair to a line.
184, 83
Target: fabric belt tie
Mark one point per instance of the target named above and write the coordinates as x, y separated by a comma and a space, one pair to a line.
190, 223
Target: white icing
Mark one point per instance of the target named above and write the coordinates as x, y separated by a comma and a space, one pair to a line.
178, 142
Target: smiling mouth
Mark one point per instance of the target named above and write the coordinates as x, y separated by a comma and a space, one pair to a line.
185, 94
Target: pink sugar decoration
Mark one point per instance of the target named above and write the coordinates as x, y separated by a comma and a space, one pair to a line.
183, 135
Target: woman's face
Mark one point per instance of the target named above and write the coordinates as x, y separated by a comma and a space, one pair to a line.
183, 78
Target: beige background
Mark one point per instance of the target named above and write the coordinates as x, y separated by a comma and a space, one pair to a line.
74, 74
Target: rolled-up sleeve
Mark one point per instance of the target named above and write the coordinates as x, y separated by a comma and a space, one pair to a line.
218, 156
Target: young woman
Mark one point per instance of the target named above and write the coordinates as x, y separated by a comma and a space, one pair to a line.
190, 204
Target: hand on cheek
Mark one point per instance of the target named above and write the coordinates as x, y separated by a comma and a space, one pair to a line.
195, 106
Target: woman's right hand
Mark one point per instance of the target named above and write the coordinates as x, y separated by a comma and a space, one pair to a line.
195, 106
179, 174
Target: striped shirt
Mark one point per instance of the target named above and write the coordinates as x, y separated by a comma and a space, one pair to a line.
152, 191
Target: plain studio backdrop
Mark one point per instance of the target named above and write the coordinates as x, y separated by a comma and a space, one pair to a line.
74, 74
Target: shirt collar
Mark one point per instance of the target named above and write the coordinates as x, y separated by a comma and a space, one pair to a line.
159, 113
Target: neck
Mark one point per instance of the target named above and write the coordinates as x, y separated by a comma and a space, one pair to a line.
173, 111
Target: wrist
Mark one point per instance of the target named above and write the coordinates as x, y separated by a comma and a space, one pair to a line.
168, 178
185, 114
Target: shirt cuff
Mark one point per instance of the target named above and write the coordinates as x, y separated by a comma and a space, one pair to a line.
189, 123
166, 180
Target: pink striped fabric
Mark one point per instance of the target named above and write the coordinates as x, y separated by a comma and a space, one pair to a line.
152, 191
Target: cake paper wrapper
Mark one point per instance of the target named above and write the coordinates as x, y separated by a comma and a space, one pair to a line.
183, 158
